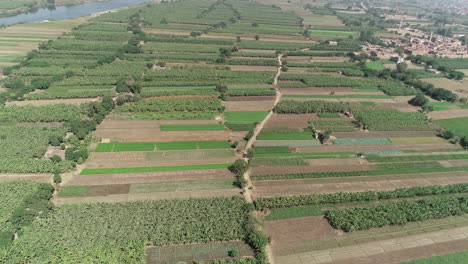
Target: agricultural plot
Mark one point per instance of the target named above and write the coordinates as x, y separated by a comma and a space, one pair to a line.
177, 92
457, 125
118, 217
152, 146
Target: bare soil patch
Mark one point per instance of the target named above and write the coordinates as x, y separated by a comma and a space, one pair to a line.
155, 135
294, 230
437, 249
104, 190
142, 159
76, 101
138, 124
163, 176
309, 169
355, 184
251, 98
248, 105
448, 114
252, 68
291, 121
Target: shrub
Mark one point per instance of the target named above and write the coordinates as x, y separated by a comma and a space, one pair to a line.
295, 107
56, 159
40, 83
57, 178
233, 253
448, 134
419, 100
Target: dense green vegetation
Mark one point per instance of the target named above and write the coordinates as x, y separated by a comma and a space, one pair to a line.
396, 213
121, 231
306, 107
347, 197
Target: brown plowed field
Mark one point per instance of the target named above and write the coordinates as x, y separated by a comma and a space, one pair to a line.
384, 134
251, 98
252, 68
448, 114
150, 124
163, 176
407, 254
109, 163
291, 121
155, 135
348, 148
355, 184
146, 196
248, 105
76, 101
309, 169
287, 231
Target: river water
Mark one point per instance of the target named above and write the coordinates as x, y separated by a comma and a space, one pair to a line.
69, 12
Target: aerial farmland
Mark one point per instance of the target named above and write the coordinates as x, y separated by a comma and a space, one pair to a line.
233, 132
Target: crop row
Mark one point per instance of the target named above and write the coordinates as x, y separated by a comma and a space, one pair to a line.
306, 107
348, 197
399, 213
169, 105
121, 231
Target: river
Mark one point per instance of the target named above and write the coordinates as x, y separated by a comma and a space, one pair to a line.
69, 12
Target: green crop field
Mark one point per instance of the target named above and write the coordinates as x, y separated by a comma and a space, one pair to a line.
454, 258
245, 116
153, 169
152, 146
285, 136
457, 125
374, 65
300, 179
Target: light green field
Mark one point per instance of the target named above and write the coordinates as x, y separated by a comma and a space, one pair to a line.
333, 33
374, 65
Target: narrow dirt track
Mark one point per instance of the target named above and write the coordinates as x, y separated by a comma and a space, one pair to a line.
257, 130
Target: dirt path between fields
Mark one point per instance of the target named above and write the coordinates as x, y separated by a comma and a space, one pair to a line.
257, 129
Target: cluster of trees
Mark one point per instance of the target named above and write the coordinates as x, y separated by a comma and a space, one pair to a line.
435, 64
409, 78
239, 167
